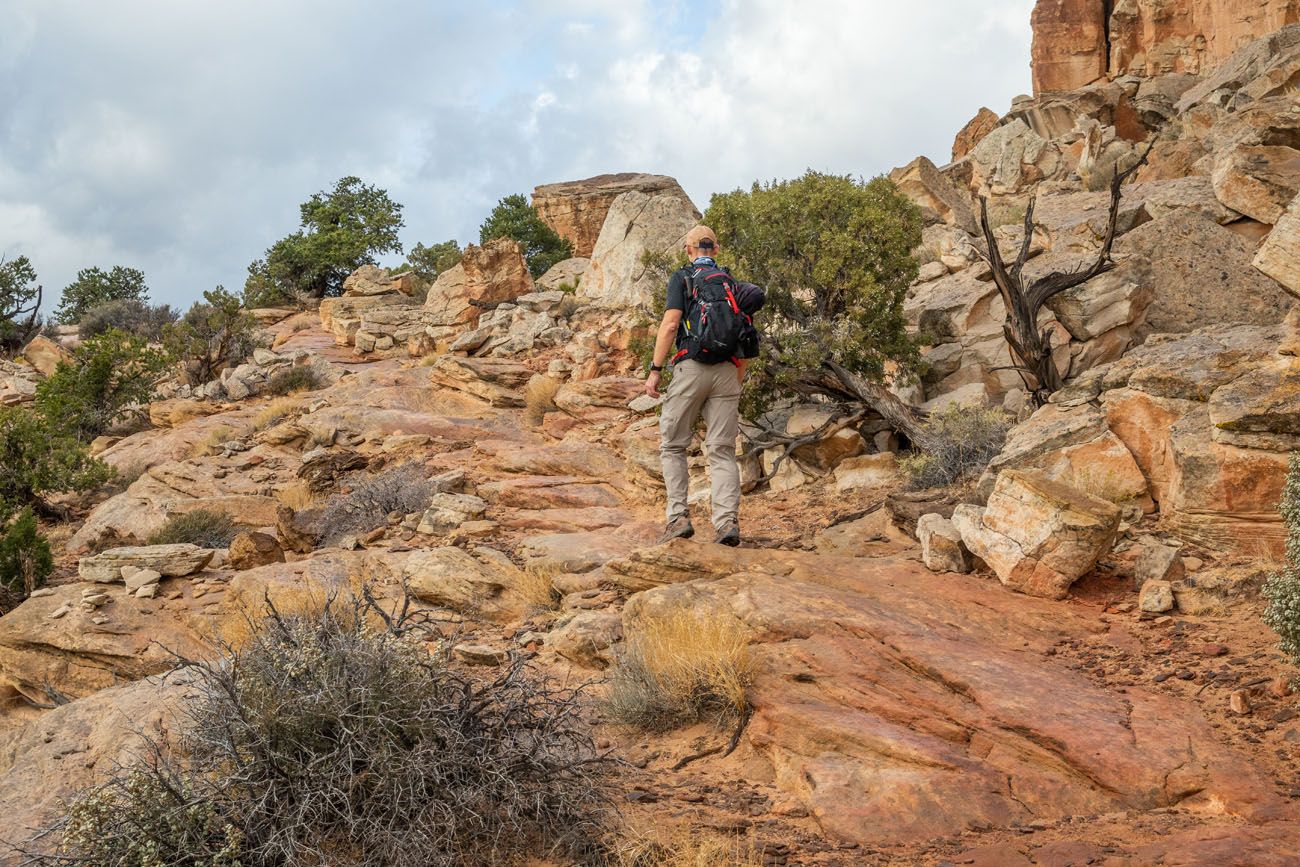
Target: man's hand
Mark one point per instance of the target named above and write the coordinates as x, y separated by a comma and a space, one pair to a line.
652, 384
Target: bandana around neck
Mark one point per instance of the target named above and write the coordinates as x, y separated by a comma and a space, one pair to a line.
705, 260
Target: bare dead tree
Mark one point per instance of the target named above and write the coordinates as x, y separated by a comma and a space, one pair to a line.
1031, 349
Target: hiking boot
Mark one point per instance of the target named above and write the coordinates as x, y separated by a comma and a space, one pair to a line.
729, 536
678, 529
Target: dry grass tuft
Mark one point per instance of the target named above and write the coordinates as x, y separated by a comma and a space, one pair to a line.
681, 667
297, 495
212, 440
275, 412
539, 397
535, 583
684, 847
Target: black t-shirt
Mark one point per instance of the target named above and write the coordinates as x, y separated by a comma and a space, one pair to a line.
677, 301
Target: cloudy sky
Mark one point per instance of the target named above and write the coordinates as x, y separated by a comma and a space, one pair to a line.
180, 136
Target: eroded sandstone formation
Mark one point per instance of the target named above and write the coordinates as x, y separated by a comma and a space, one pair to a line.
577, 209
1078, 42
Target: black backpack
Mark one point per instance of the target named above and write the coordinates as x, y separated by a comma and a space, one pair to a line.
718, 327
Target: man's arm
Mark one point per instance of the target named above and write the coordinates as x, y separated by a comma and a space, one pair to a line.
663, 345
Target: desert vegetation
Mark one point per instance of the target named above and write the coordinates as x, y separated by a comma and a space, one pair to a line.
95, 286
20, 303
214, 334
1282, 590
514, 218
962, 440
206, 528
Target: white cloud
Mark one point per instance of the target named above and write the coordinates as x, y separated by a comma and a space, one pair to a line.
179, 136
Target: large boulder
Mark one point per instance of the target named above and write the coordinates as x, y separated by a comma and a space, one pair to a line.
45, 355
973, 132
373, 280
1279, 255
170, 560
938, 197
576, 210
491, 274
637, 223
497, 381
452, 578
1011, 159
1258, 181
1197, 274
565, 273
1038, 536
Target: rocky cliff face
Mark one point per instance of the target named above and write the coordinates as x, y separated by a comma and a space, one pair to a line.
577, 209
1077, 42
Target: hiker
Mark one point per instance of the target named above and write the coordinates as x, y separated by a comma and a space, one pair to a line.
714, 337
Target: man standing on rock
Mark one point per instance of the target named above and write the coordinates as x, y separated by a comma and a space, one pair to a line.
701, 316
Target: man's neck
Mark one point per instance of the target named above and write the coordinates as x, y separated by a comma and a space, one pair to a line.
704, 260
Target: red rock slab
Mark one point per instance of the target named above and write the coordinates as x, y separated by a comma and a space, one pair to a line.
550, 492
898, 706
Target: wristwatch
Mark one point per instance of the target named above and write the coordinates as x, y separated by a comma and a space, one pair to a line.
656, 367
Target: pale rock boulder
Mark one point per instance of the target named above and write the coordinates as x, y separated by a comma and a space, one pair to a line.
18, 383
567, 272
941, 546
1157, 561
491, 274
937, 196
1156, 597
587, 637
637, 223
373, 280
1279, 255
342, 316
1037, 535
577, 210
1012, 158
452, 578
45, 355
447, 511
1258, 181
169, 560
497, 381
1106, 302
866, 471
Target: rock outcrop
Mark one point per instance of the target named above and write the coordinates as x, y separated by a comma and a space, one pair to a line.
576, 210
1077, 42
637, 223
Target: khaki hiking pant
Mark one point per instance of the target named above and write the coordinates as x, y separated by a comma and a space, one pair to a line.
714, 390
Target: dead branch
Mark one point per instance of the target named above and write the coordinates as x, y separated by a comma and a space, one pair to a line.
1031, 349
826, 430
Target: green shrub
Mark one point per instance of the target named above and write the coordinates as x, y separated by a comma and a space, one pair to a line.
25, 558
206, 528
429, 262
129, 316
967, 438
341, 230
20, 304
834, 255
326, 738
37, 459
1282, 589
214, 334
110, 381
94, 286
299, 378
514, 218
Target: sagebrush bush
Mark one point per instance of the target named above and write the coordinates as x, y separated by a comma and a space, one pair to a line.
683, 847
294, 379
967, 438
25, 558
128, 315
325, 740
1282, 589
275, 412
206, 528
370, 499
680, 667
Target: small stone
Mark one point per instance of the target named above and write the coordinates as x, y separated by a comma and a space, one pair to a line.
1157, 562
42, 591
1192, 564
1157, 597
941, 546
99, 620
1212, 649
1280, 686
95, 600
148, 591
1239, 703
644, 403
480, 654
60, 611
142, 578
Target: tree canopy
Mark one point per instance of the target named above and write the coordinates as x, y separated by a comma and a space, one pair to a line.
20, 301
94, 286
428, 262
341, 230
514, 217
833, 254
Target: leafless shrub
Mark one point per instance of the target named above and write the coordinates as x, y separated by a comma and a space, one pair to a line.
324, 740
961, 442
683, 847
371, 499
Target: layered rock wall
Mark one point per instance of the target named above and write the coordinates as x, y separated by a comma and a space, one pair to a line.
1077, 42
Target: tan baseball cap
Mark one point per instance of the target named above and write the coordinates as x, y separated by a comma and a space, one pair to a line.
695, 237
